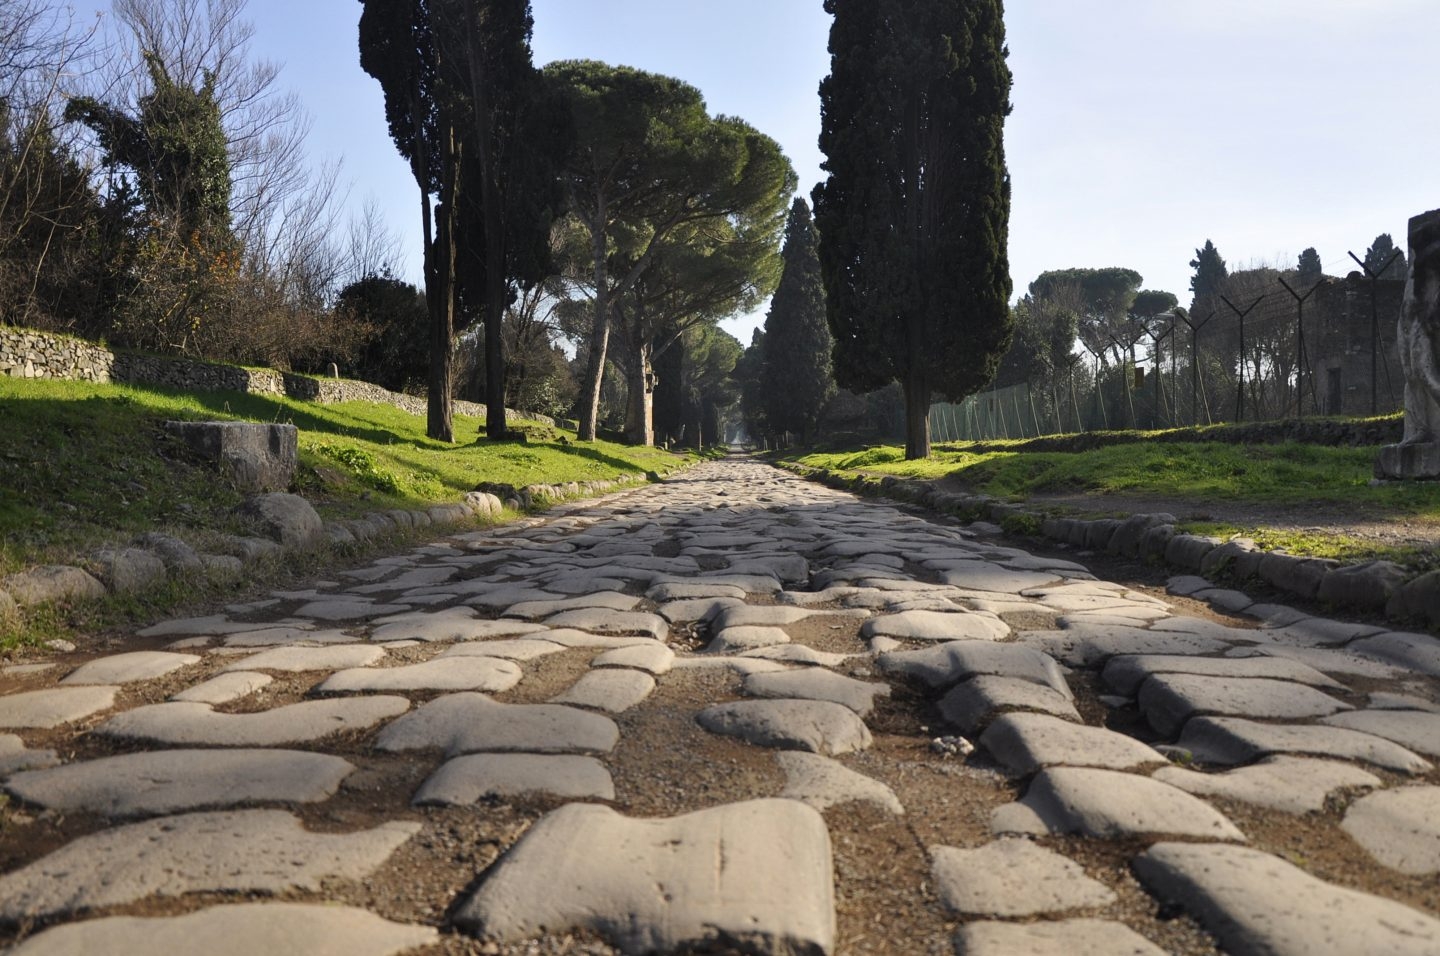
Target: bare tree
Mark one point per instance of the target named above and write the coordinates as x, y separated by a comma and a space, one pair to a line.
372, 248
44, 194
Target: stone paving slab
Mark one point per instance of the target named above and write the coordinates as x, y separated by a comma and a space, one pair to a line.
1257, 903
469, 779
948, 664
605, 621
744, 666
986, 577
1169, 700
242, 929
297, 660
456, 624
473, 723
1232, 740
818, 726
1029, 742
1091, 645
1388, 700
773, 615
654, 659
798, 654
283, 634
971, 706
486, 674
1419, 731
1126, 673
613, 600
746, 637
15, 756
129, 668
754, 875
189, 724
688, 589
611, 689
823, 783
1415, 652
959, 625
1071, 937
1109, 804
223, 688
43, 709
1013, 877
347, 609
1324, 659
245, 851
174, 781
571, 637
813, 683
1290, 784
510, 649
210, 626
1400, 828
696, 609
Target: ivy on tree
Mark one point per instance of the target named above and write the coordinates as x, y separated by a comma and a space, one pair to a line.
914, 216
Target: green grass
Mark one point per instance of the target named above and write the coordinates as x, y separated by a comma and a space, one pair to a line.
1290, 476
85, 465
1287, 474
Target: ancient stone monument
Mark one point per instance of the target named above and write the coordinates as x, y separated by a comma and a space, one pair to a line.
1418, 454
253, 456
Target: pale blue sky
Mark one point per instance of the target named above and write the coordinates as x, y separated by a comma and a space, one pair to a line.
1141, 127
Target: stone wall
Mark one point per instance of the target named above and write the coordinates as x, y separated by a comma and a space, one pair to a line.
25, 353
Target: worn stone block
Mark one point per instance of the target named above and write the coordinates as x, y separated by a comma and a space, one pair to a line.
254, 456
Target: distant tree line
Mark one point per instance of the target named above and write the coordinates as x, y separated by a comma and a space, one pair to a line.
1263, 342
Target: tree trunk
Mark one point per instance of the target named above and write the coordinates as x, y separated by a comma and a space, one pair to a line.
589, 399
439, 276
640, 410
493, 308
917, 410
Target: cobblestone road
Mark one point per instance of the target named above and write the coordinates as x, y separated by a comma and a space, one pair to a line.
733, 712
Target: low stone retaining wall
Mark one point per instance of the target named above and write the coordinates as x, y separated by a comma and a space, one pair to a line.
1375, 586
25, 353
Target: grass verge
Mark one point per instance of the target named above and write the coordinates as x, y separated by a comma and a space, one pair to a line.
85, 465
1289, 476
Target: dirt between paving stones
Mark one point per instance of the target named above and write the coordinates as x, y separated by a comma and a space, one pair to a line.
665, 764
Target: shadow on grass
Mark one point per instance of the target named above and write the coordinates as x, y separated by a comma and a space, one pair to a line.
264, 408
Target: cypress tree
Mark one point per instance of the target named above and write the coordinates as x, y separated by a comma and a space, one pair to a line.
913, 218
797, 376
1210, 271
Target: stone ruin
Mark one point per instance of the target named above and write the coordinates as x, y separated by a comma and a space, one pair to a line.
1418, 454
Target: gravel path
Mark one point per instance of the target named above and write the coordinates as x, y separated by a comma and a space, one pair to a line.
730, 713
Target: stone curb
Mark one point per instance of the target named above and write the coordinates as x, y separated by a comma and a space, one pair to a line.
130, 570
1375, 586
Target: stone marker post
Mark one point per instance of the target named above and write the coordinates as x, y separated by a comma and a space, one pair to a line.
1418, 454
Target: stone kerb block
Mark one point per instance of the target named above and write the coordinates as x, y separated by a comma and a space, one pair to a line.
128, 570
1363, 585
1419, 598
1188, 551
288, 519
55, 582
1125, 541
254, 456
1295, 574
1240, 557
